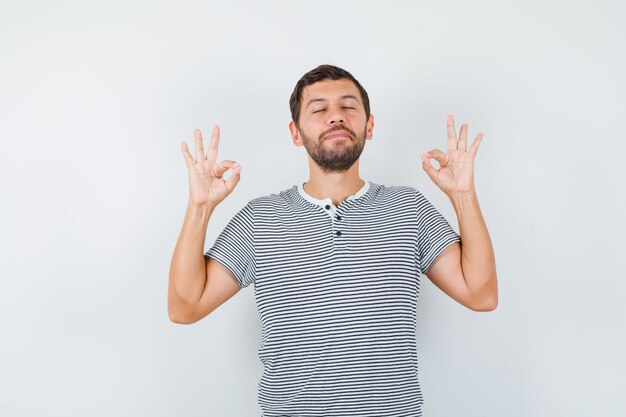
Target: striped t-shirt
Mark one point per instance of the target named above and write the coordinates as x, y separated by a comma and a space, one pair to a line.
336, 290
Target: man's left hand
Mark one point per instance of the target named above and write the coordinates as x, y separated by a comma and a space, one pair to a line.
455, 174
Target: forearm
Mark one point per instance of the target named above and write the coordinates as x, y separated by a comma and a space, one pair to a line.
188, 267
477, 257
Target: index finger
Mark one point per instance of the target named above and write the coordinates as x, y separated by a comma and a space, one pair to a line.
215, 142
452, 142
199, 146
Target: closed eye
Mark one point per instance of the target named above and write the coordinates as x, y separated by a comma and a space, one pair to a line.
319, 110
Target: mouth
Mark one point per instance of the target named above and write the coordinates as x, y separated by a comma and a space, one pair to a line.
336, 135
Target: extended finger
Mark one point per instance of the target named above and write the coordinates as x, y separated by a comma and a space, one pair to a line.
474, 148
199, 146
431, 171
462, 145
220, 169
187, 155
452, 143
215, 143
441, 157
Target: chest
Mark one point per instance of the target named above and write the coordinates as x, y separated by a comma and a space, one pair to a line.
351, 266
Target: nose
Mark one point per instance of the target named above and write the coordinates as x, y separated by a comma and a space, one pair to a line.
336, 116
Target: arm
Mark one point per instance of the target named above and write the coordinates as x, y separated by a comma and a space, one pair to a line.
197, 286
465, 271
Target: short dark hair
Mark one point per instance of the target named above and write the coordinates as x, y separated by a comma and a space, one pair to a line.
321, 73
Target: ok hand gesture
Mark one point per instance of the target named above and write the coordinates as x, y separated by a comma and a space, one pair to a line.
455, 175
207, 186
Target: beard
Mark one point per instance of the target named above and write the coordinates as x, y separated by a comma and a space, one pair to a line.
335, 157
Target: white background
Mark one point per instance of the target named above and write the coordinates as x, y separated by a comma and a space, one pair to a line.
95, 98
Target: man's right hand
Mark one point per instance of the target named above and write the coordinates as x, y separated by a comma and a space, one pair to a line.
207, 186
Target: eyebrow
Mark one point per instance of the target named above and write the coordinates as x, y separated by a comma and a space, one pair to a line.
344, 97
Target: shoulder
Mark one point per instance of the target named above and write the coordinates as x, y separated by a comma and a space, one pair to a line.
395, 192
403, 191
268, 201
403, 198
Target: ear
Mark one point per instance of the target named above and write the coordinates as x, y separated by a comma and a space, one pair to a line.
369, 127
295, 134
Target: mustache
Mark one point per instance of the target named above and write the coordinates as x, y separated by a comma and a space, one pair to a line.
336, 128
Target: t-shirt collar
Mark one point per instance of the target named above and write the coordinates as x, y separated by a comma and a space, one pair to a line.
328, 200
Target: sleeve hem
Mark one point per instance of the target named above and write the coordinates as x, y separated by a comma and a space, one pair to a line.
432, 257
226, 265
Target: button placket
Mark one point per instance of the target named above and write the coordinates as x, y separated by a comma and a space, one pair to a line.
339, 232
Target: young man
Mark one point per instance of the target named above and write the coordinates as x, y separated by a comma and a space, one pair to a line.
336, 262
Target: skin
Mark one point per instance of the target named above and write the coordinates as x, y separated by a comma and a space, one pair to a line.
324, 106
332, 124
465, 271
197, 286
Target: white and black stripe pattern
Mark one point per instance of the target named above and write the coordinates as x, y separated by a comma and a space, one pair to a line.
337, 297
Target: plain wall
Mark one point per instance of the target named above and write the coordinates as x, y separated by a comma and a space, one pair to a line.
95, 98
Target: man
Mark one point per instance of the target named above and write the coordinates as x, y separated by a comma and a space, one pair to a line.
336, 261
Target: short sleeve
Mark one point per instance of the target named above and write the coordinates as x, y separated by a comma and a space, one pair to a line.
434, 233
234, 247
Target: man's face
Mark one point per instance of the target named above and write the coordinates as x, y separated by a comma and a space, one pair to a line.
332, 127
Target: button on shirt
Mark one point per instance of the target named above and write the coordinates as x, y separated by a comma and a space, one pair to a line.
327, 203
336, 291
331, 209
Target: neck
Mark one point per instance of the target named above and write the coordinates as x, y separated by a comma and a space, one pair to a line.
334, 185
